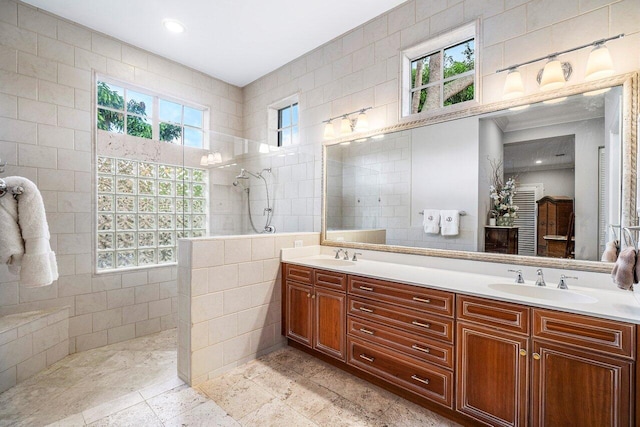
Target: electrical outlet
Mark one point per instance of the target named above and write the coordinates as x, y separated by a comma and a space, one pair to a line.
297, 244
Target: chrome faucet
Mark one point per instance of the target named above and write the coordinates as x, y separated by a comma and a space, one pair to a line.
337, 251
355, 258
563, 284
540, 281
346, 255
519, 278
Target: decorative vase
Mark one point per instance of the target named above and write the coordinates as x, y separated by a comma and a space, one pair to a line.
505, 221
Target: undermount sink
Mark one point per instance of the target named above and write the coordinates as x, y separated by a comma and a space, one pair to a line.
539, 292
329, 262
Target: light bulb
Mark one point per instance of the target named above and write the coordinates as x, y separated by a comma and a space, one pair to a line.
362, 125
328, 131
552, 75
345, 126
513, 86
599, 64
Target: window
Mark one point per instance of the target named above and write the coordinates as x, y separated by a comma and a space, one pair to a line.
284, 122
143, 208
133, 112
287, 125
440, 72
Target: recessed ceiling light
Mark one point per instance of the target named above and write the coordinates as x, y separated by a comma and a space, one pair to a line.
173, 25
538, 162
554, 101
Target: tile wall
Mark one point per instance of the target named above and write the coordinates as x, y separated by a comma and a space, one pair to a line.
361, 68
229, 301
46, 83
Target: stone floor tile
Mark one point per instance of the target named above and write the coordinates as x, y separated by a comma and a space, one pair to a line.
176, 401
275, 414
140, 415
208, 414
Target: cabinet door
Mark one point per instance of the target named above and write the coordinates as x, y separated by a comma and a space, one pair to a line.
492, 375
299, 312
329, 335
577, 388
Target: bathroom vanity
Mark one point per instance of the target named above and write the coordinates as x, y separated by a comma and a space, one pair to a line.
474, 348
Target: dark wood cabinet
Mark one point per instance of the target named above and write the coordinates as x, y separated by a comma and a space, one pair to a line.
554, 214
315, 310
475, 360
501, 240
492, 364
577, 388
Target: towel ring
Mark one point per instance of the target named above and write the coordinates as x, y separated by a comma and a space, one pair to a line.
628, 234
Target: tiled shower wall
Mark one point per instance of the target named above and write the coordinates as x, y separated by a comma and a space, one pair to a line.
361, 68
46, 84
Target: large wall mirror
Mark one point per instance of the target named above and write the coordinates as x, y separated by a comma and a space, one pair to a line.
572, 158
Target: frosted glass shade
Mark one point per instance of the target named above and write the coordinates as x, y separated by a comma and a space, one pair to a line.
217, 157
513, 87
552, 76
328, 131
345, 126
204, 160
362, 124
599, 64
211, 159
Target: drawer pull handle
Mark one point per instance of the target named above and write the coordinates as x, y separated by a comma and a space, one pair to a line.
308, 295
366, 288
424, 325
536, 356
313, 296
523, 352
419, 348
424, 300
420, 380
366, 331
367, 358
366, 310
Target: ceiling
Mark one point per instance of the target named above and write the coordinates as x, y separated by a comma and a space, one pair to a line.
237, 41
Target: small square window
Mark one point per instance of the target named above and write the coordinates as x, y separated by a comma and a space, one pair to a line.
288, 125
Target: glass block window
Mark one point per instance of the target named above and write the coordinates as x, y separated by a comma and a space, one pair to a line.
144, 208
122, 109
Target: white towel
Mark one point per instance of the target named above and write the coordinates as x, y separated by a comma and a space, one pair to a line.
431, 221
450, 220
24, 241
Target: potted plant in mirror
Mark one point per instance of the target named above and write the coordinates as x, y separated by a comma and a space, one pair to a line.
501, 194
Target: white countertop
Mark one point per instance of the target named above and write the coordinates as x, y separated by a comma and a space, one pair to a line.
610, 303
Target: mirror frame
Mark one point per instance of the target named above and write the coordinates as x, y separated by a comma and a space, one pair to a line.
629, 83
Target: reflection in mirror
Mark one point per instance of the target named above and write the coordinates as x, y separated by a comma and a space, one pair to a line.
566, 159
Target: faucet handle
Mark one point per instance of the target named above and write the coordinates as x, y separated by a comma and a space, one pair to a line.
563, 284
337, 251
540, 281
519, 278
346, 255
355, 258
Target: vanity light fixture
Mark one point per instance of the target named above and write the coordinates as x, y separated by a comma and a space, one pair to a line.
348, 124
174, 26
555, 73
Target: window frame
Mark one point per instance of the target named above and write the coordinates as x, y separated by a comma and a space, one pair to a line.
154, 118
273, 118
292, 125
428, 47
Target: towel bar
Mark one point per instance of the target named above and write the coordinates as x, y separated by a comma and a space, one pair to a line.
461, 213
15, 191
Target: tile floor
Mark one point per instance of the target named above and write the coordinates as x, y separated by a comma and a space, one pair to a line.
134, 383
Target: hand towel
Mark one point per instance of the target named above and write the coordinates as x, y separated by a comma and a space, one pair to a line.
29, 248
450, 220
431, 221
610, 253
624, 270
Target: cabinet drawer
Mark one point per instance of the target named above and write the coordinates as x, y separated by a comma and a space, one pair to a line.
421, 378
331, 280
590, 333
299, 274
501, 315
416, 297
406, 319
412, 344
